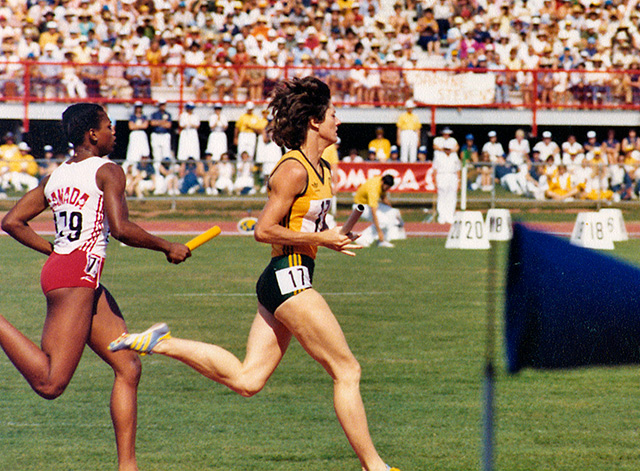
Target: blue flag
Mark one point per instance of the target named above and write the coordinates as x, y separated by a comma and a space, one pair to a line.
568, 306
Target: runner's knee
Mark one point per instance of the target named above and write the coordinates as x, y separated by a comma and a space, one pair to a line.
50, 389
129, 369
250, 385
347, 371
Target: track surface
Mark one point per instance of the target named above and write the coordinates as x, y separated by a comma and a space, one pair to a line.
413, 229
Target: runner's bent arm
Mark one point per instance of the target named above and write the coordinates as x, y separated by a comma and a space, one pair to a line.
16, 221
111, 180
286, 184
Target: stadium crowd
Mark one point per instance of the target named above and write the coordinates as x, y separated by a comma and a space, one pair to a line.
367, 50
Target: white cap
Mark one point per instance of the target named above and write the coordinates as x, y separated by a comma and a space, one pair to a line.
492, 134
250, 105
591, 134
24, 146
546, 134
409, 103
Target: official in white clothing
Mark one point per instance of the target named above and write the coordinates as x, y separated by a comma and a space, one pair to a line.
217, 143
188, 142
446, 168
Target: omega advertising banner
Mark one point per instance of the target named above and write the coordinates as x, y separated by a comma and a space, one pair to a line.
410, 178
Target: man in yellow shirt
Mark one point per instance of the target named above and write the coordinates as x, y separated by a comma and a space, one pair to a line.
22, 168
387, 223
245, 135
381, 145
408, 134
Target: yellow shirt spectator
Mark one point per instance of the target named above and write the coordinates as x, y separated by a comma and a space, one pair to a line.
24, 162
382, 148
408, 121
248, 122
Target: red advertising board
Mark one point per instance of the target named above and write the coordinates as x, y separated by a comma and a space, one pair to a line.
410, 178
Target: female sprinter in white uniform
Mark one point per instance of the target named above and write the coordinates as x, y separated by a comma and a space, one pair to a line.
86, 194
293, 222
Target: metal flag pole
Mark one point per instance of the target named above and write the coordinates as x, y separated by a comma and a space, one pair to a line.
488, 384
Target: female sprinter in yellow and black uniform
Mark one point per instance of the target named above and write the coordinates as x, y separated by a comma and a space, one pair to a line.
291, 267
293, 222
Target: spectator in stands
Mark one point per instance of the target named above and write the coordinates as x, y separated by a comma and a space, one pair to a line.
268, 154
115, 80
138, 139
48, 163
160, 123
353, 156
445, 137
408, 133
630, 143
592, 146
246, 131
155, 58
10, 70
188, 139
48, 74
561, 187
191, 176
217, 143
572, 152
611, 147
493, 148
244, 183
381, 145
519, 148
209, 174
23, 169
469, 157
167, 178
547, 147
619, 180
226, 170
138, 74
92, 75
143, 179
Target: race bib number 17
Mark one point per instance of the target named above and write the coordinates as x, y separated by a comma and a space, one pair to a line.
293, 279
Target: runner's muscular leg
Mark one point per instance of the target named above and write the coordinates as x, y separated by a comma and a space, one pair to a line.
267, 343
107, 324
308, 316
49, 369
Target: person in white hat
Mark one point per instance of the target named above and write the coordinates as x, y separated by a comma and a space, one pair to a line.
188, 140
217, 142
23, 169
548, 147
408, 133
245, 134
160, 123
446, 169
138, 140
445, 137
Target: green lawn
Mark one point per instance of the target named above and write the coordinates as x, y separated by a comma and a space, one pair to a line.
414, 317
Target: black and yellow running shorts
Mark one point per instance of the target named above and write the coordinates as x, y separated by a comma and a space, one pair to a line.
284, 277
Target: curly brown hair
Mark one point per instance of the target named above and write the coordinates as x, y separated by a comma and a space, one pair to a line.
295, 102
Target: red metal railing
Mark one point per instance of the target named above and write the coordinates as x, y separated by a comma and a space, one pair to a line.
532, 89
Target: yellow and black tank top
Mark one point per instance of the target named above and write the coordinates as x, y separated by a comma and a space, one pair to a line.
309, 209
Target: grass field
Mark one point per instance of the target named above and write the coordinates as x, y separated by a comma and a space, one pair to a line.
414, 317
